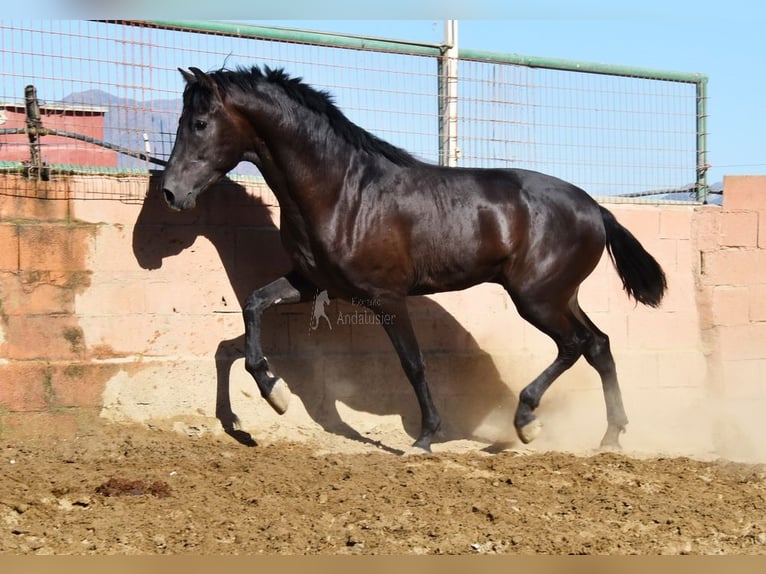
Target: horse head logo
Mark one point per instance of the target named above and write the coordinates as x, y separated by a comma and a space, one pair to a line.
321, 300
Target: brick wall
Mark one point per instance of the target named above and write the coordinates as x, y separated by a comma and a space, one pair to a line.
132, 312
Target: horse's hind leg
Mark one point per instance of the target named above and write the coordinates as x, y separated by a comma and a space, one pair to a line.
395, 318
291, 288
571, 338
599, 355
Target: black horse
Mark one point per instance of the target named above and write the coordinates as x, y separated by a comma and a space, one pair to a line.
366, 221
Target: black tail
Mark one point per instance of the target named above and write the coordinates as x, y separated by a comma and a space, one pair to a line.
642, 277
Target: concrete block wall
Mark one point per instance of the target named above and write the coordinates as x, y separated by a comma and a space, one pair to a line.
132, 312
732, 282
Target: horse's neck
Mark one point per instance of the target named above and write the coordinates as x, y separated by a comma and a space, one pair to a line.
302, 160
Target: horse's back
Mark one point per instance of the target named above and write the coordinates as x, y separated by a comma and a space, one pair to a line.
466, 226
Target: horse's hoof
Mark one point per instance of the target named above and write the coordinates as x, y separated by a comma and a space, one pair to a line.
611, 440
415, 450
610, 447
530, 431
419, 448
279, 397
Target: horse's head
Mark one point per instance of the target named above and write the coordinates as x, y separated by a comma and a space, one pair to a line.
208, 143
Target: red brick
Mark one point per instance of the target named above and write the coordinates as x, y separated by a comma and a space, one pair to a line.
54, 247
80, 384
44, 337
24, 386
25, 204
38, 298
739, 228
9, 248
744, 192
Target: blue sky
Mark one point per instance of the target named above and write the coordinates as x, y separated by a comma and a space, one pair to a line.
724, 40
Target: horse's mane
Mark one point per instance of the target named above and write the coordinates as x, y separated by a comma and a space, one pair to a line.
318, 101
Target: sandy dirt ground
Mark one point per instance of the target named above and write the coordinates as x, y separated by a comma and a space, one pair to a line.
128, 489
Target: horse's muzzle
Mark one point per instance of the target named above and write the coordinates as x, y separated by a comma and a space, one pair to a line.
170, 198
174, 203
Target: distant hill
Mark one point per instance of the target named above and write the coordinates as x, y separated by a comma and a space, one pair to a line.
128, 120
715, 195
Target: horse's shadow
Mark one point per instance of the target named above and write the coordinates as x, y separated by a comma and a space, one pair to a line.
465, 384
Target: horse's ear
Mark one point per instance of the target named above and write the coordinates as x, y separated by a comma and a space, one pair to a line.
202, 77
195, 75
188, 76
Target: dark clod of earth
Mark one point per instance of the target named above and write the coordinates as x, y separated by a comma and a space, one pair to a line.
122, 487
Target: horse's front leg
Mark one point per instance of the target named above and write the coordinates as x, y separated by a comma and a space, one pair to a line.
225, 356
291, 288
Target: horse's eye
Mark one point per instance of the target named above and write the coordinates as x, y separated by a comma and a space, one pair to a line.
200, 125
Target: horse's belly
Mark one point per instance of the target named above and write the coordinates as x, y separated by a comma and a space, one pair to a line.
453, 274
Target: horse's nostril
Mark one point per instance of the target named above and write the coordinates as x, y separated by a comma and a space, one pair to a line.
169, 197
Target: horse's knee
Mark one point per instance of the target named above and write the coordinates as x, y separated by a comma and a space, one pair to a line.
599, 344
573, 348
598, 353
256, 304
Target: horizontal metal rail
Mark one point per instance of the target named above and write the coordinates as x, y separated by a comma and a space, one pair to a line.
350, 41
584, 67
88, 139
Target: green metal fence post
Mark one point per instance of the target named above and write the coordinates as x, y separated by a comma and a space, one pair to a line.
702, 165
448, 97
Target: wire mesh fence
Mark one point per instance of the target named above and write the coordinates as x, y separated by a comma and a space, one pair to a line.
117, 84
611, 135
